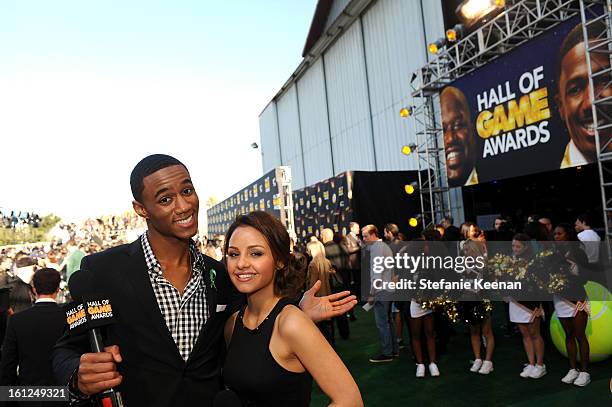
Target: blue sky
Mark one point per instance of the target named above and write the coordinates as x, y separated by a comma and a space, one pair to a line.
87, 88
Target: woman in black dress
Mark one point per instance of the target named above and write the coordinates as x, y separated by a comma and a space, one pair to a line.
273, 348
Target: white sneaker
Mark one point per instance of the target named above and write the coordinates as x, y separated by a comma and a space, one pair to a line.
433, 370
527, 371
538, 371
476, 365
487, 367
583, 379
570, 376
420, 370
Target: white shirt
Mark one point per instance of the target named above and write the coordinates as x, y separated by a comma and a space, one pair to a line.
45, 300
573, 157
591, 249
472, 178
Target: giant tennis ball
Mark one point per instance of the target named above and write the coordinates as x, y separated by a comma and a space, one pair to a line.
599, 327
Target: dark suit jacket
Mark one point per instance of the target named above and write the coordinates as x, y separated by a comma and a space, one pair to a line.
154, 373
30, 337
352, 247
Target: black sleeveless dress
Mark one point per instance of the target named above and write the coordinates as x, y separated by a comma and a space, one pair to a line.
251, 371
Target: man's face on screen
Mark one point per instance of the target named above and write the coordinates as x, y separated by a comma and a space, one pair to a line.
459, 146
574, 100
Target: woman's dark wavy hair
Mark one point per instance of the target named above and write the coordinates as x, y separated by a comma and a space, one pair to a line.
288, 280
569, 231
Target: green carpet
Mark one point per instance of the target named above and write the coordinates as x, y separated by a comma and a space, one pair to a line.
394, 383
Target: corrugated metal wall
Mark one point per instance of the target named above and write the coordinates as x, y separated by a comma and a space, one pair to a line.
353, 93
434, 19
315, 125
334, 12
289, 129
348, 101
394, 49
269, 140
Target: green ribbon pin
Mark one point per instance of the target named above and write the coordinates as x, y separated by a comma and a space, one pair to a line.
213, 275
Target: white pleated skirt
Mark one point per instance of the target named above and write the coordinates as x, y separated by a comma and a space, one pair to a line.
416, 311
520, 314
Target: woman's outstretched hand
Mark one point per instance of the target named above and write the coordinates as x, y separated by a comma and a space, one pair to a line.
322, 308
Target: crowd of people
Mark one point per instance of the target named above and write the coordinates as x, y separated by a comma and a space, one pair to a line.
66, 245
17, 219
181, 283
33, 275
430, 330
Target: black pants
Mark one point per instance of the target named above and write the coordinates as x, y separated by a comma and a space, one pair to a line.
343, 326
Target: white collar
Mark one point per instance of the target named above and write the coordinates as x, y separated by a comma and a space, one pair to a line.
575, 155
45, 300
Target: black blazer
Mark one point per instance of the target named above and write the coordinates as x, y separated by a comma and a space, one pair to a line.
30, 337
154, 373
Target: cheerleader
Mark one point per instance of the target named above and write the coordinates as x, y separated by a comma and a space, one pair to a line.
478, 315
527, 316
573, 315
422, 319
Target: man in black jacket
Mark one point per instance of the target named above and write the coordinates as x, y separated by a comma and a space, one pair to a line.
170, 303
339, 260
31, 335
352, 245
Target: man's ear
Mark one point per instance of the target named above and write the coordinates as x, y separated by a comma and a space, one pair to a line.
140, 209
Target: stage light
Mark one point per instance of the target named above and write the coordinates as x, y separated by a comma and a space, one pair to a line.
410, 188
455, 33
406, 111
407, 150
472, 11
413, 222
435, 46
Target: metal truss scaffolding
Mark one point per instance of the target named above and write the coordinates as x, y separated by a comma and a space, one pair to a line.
285, 199
597, 31
521, 21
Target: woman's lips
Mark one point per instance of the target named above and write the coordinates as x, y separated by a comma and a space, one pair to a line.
245, 277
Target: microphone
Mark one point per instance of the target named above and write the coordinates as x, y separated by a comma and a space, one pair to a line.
80, 284
89, 313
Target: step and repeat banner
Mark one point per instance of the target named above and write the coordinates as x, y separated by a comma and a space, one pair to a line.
261, 195
366, 197
527, 111
326, 204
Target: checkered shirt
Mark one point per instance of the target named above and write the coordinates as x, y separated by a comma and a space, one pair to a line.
184, 315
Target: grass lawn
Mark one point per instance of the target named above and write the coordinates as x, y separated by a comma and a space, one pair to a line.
394, 383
